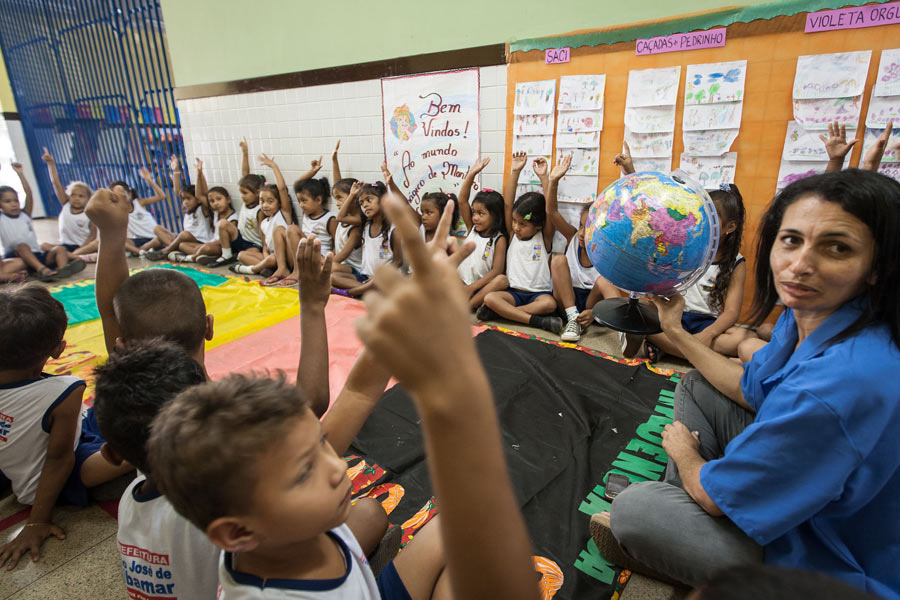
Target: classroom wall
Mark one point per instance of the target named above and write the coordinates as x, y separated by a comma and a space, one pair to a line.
224, 40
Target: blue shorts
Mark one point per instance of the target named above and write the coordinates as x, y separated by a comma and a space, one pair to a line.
696, 322
521, 298
89, 443
240, 244
581, 296
390, 586
40, 255
360, 277
71, 247
140, 241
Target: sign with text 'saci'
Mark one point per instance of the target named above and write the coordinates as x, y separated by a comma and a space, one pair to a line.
430, 130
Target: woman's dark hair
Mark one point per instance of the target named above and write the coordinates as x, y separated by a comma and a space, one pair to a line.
127, 187
317, 188
872, 198
252, 182
532, 207
732, 207
440, 200
493, 204
344, 185
376, 189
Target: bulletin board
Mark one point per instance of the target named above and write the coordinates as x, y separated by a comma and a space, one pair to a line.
770, 47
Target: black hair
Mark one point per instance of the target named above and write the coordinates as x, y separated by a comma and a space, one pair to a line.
32, 324
252, 182
872, 198
317, 188
532, 206
189, 189
6, 188
377, 189
133, 386
219, 190
493, 204
127, 187
732, 204
344, 185
775, 583
440, 200
161, 303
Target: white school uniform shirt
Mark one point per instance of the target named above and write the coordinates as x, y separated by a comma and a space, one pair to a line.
476, 265
582, 277
341, 234
73, 228
696, 297
319, 228
248, 224
163, 554
357, 583
198, 225
268, 225
25, 409
528, 264
140, 222
15, 231
375, 251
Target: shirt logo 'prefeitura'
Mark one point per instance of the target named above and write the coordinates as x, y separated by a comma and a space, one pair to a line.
5, 425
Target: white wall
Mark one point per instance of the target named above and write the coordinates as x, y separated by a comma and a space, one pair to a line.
298, 125
14, 148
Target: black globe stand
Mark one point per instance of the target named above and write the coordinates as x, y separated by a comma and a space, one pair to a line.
628, 315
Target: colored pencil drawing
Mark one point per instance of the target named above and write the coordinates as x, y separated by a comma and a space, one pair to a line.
708, 142
663, 165
535, 97
650, 119
579, 121
585, 161
818, 113
892, 170
891, 153
726, 115
838, 75
715, 82
586, 139
581, 92
791, 171
888, 81
528, 175
577, 188
883, 109
710, 171
805, 145
533, 144
646, 145
653, 87
533, 125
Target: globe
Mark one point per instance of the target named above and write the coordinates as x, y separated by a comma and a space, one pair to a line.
652, 233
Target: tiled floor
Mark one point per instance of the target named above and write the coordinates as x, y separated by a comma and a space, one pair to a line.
85, 566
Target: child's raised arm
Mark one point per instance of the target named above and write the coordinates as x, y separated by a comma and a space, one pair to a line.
872, 160
465, 190
837, 146
335, 165
553, 215
484, 537
624, 161
344, 215
315, 166
287, 210
395, 189
175, 166
519, 160
29, 198
201, 190
158, 193
315, 289
61, 194
541, 170
245, 157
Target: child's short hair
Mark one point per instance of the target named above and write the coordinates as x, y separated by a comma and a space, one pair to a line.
6, 188
317, 188
127, 187
73, 185
252, 182
344, 185
271, 188
32, 324
218, 190
189, 189
532, 207
161, 303
204, 444
131, 389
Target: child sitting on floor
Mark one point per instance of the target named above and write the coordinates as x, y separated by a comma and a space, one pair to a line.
144, 233
347, 234
224, 216
197, 221
49, 451
76, 232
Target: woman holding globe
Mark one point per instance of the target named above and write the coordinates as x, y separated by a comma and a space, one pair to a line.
794, 458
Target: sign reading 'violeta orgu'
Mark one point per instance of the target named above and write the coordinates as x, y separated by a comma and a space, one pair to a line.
853, 17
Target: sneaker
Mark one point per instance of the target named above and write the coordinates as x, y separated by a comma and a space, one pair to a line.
153, 255
550, 323
484, 313
177, 256
238, 268
219, 261
610, 550
202, 259
572, 331
386, 549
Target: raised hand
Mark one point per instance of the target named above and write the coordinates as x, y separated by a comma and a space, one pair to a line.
46, 156
268, 161
17, 167
540, 167
519, 160
199, 164
337, 146
623, 160
314, 271
479, 165
145, 174
355, 189
243, 145
108, 212
315, 165
836, 144
561, 168
174, 164
872, 160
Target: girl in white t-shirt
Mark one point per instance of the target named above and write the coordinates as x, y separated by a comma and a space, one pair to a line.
348, 233
225, 219
144, 233
76, 232
197, 219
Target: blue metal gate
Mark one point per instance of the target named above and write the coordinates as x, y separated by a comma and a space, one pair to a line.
91, 82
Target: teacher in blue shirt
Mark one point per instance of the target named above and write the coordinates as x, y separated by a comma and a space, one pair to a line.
794, 458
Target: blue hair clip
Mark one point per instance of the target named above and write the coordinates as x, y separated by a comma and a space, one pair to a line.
725, 187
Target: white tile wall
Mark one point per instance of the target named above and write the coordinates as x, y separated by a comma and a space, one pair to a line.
299, 125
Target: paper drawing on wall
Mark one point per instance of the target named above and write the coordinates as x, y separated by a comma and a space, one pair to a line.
645, 145
535, 97
891, 153
579, 121
577, 188
403, 123
715, 82
528, 175
888, 81
805, 145
817, 114
581, 92
653, 87
663, 165
792, 171
837, 75
708, 142
533, 125
584, 160
883, 109
710, 171
725, 115
650, 119
533, 144
586, 139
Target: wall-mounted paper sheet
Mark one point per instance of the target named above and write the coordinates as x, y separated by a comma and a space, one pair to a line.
663, 165
533, 144
817, 114
533, 125
585, 161
792, 171
710, 171
806, 145
837, 75
888, 81
577, 188
650, 119
715, 82
587, 139
528, 175
579, 121
581, 92
708, 142
653, 87
891, 153
535, 97
726, 115
892, 170
645, 145
883, 109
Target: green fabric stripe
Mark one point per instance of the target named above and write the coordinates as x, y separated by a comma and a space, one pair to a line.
697, 23
81, 305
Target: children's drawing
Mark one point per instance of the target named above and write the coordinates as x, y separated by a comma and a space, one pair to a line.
888, 81
708, 142
792, 171
837, 75
645, 145
653, 87
577, 188
805, 145
403, 124
883, 109
726, 115
535, 97
587, 139
817, 114
662, 165
715, 82
581, 92
533, 125
533, 144
891, 153
650, 119
524, 188
528, 175
585, 161
892, 170
710, 171
579, 121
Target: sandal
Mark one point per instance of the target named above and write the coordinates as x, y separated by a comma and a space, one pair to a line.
76, 266
611, 550
652, 353
47, 274
287, 282
271, 281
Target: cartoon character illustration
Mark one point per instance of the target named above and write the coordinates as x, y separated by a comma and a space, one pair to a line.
403, 124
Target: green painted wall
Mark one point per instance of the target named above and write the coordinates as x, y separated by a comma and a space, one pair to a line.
223, 40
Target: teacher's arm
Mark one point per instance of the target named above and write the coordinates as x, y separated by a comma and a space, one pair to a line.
683, 447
